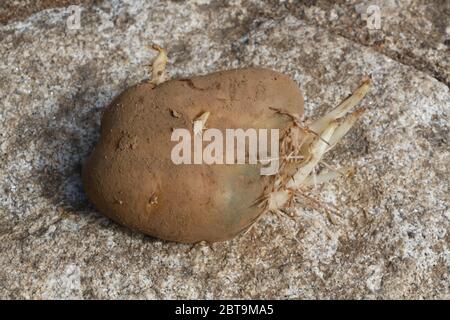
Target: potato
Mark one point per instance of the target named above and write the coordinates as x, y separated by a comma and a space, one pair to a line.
135, 177
131, 178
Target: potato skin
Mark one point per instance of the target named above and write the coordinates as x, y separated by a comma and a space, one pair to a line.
130, 176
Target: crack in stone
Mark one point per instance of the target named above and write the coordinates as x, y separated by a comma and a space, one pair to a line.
440, 78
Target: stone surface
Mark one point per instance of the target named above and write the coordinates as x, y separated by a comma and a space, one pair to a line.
13, 10
392, 239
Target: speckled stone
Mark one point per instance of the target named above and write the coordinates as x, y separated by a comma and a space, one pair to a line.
392, 237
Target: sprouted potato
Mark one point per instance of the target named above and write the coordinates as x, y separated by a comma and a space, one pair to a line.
131, 178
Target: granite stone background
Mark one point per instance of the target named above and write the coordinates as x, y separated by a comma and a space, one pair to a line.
392, 238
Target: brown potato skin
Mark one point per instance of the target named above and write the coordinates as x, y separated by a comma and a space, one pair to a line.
130, 176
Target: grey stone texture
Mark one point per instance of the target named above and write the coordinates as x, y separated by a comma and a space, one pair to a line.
392, 237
